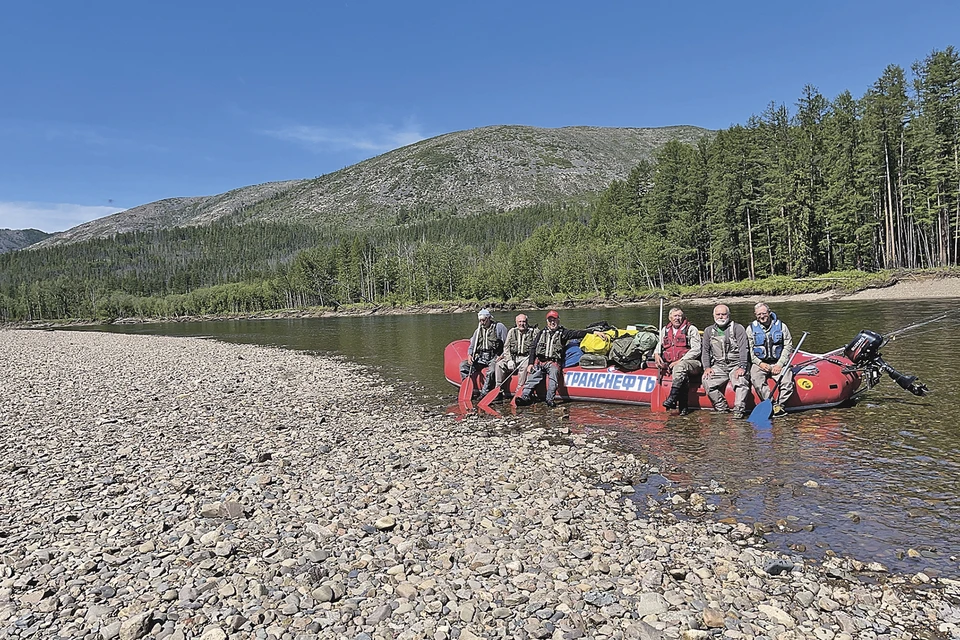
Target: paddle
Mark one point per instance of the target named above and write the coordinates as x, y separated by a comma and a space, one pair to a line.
467, 386
492, 395
656, 398
764, 410
465, 397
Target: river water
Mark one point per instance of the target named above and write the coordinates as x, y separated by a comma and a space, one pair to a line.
878, 481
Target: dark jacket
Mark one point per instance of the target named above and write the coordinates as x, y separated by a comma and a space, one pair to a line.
543, 341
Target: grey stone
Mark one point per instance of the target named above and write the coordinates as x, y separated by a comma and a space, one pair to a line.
110, 631
380, 614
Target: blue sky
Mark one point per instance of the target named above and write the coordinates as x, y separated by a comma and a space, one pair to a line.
106, 105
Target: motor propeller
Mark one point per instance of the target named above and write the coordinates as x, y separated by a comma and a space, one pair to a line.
864, 352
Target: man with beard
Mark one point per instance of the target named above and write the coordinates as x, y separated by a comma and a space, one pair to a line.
726, 359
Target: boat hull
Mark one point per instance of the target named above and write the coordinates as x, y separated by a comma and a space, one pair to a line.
820, 383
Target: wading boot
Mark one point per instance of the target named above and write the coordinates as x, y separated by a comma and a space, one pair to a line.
673, 399
683, 401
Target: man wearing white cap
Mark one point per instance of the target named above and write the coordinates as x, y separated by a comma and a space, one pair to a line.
486, 344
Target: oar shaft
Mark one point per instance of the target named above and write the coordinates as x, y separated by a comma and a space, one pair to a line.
797, 350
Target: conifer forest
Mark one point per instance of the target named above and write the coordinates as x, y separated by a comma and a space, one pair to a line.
854, 183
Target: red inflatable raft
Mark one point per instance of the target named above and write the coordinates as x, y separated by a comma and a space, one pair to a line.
821, 381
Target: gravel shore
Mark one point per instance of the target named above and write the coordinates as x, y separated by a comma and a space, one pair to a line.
159, 487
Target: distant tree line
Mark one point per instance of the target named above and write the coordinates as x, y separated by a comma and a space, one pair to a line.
870, 183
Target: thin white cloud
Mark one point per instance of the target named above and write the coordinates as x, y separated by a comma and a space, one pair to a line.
83, 135
49, 216
376, 139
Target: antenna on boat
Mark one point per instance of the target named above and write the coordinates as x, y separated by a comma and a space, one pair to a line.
660, 328
893, 334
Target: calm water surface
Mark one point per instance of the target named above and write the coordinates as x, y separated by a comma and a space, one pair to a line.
887, 469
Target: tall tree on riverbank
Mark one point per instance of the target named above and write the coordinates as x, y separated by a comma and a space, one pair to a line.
936, 137
885, 116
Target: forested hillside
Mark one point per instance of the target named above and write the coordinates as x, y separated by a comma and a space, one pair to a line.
851, 183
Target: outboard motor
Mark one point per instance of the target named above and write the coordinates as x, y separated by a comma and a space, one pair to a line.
864, 352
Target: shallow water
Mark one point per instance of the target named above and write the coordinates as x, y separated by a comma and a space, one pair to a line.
879, 481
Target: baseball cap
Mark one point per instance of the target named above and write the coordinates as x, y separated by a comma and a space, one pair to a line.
552, 314
484, 313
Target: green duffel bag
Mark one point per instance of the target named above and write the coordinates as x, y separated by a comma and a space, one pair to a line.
593, 361
631, 352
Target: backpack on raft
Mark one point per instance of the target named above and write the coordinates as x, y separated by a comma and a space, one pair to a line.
630, 352
599, 325
573, 354
592, 343
593, 361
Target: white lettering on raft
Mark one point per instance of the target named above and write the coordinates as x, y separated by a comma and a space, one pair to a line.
609, 380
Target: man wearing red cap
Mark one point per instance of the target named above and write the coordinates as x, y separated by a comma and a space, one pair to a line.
548, 350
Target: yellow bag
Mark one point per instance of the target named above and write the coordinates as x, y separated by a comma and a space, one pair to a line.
592, 343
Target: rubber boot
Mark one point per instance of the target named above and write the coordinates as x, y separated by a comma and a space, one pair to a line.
673, 398
683, 401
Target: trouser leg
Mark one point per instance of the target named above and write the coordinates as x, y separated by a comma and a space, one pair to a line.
503, 369
490, 375
488, 379
758, 379
553, 380
466, 368
678, 393
714, 386
674, 397
533, 379
741, 389
786, 386
681, 379
522, 373
683, 398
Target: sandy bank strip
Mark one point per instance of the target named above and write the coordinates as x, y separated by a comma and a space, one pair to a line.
910, 288
184, 488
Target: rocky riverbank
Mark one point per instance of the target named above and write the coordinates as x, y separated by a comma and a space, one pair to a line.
179, 488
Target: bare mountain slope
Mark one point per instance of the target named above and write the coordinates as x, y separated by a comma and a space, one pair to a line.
14, 239
465, 172
172, 212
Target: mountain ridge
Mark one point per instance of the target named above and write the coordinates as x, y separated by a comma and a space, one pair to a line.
499, 167
16, 239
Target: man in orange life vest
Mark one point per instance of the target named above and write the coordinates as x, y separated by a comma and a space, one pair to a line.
679, 355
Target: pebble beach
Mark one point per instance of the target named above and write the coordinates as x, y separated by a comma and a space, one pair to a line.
157, 487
